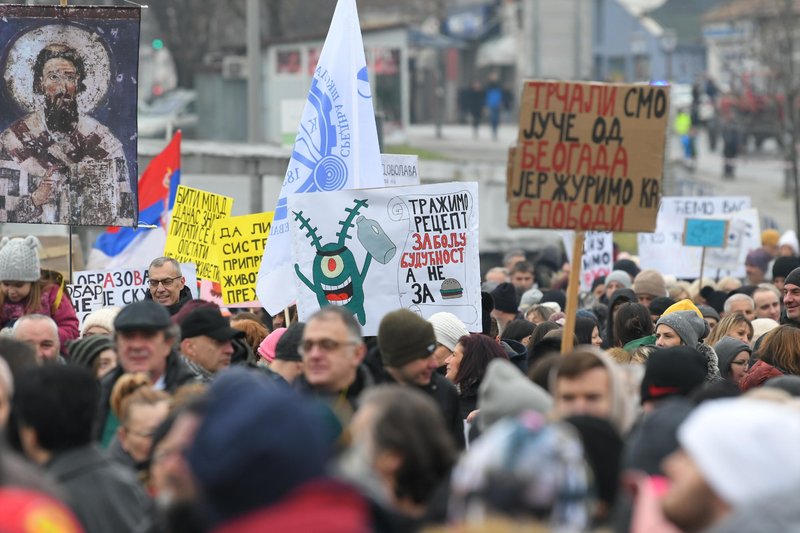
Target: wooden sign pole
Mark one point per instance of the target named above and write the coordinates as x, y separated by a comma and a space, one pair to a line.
573, 289
702, 265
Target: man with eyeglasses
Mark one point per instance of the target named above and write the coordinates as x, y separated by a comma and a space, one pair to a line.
167, 284
333, 350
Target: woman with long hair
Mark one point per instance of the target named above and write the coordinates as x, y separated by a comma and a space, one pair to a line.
467, 366
733, 325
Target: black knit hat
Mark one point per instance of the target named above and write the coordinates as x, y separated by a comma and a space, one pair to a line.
404, 336
555, 295
628, 266
83, 352
783, 266
660, 304
505, 298
715, 299
288, 345
675, 371
793, 278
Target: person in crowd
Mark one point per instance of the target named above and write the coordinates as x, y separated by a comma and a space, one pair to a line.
497, 274
769, 241
598, 290
512, 257
778, 354
266, 349
782, 267
140, 409
254, 331
507, 392
506, 303
728, 284
167, 284
710, 315
633, 326
407, 343
538, 314
767, 299
522, 277
791, 299
259, 456
399, 455
520, 331
756, 266
649, 284
25, 291
675, 371
587, 382
474, 101
55, 406
333, 352
523, 474
734, 358
658, 306
206, 342
734, 325
717, 482
587, 331
288, 362
6, 393
740, 303
41, 332
97, 352
467, 367
683, 324
762, 326
617, 279
529, 298
145, 338
448, 328
100, 322
788, 245
619, 297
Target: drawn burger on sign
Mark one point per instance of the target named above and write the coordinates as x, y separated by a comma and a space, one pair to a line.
451, 289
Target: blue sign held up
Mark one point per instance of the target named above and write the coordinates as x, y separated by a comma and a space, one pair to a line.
709, 233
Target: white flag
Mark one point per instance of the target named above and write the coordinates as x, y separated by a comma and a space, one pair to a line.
336, 146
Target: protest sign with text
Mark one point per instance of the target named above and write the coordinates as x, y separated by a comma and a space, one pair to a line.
190, 237
589, 156
412, 247
598, 255
400, 169
239, 243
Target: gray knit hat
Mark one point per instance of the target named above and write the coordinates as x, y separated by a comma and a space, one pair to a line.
727, 349
687, 324
83, 352
19, 259
505, 392
621, 277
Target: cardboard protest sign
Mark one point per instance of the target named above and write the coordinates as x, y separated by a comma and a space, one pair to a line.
190, 237
399, 170
598, 255
664, 251
239, 243
68, 115
377, 250
94, 289
705, 232
589, 156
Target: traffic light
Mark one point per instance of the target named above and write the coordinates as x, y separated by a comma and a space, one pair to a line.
157, 44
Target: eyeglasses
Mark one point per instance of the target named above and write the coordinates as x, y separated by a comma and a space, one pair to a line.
166, 282
327, 345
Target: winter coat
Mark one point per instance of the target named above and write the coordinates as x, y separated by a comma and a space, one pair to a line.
712, 363
184, 296
104, 495
758, 374
63, 314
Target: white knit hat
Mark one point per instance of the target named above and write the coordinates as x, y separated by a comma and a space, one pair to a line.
448, 328
746, 449
103, 318
19, 259
789, 238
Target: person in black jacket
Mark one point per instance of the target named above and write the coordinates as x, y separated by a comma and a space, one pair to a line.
167, 284
407, 343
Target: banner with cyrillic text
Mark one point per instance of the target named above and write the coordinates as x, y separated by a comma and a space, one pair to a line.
239, 243
589, 156
190, 237
598, 255
372, 251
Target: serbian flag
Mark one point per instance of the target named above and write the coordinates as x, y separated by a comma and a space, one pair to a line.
135, 247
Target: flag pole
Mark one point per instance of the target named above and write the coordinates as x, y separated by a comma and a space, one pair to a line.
69, 259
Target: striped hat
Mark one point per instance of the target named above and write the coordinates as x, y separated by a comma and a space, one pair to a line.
84, 351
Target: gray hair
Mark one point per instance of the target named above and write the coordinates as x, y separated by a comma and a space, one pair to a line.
333, 312
163, 260
764, 287
36, 317
738, 297
513, 253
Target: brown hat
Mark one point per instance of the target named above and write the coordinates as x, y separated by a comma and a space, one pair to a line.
650, 282
404, 336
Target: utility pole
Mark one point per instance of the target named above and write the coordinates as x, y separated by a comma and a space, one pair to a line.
255, 105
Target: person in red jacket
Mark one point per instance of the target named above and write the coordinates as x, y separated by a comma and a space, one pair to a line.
25, 291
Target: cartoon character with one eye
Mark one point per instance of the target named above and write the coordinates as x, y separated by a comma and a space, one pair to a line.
336, 277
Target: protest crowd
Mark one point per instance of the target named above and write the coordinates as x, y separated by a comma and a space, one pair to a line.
676, 409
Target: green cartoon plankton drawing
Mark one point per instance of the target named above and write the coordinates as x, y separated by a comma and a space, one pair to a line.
335, 274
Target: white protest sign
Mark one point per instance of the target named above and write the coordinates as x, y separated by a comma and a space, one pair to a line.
399, 170
664, 251
95, 289
377, 250
598, 255
744, 235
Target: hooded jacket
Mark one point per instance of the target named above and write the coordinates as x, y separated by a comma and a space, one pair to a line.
619, 296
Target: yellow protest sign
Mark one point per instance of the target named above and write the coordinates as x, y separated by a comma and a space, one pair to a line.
190, 237
239, 243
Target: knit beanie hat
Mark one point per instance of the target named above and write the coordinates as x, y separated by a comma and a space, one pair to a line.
783, 266
732, 457
675, 371
103, 318
793, 278
529, 298
687, 324
683, 305
650, 282
404, 336
448, 328
716, 299
267, 347
621, 277
789, 238
19, 259
288, 347
770, 237
505, 298
83, 352
709, 312
628, 266
555, 296
759, 258
660, 304
727, 349
505, 391
762, 326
